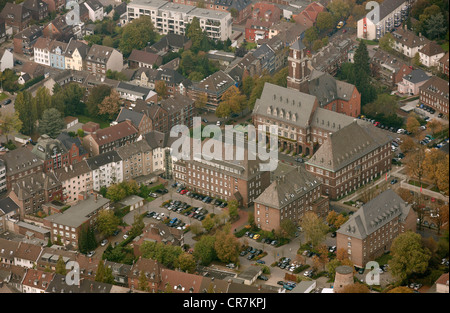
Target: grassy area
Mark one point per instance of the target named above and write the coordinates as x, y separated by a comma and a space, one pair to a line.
384, 259
417, 184
369, 42
84, 119
3, 96
445, 46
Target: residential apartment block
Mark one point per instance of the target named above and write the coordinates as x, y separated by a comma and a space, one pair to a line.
137, 159
168, 17
369, 233
75, 179
107, 169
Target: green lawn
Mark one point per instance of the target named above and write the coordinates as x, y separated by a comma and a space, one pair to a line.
445, 46
384, 259
416, 183
3, 96
84, 119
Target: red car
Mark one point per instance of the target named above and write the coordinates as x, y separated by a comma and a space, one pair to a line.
183, 191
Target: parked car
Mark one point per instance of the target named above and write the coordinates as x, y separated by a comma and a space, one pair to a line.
230, 265
262, 277
256, 236
104, 242
308, 273
394, 181
243, 253
90, 254
261, 262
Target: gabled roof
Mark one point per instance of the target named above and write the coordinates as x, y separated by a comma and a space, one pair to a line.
7, 205
375, 214
417, 76
143, 56
102, 159
60, 285
28, 251
288, 188
19, 160
347, 145
74, 170
431, 48
134, 117
327, 89
113, 133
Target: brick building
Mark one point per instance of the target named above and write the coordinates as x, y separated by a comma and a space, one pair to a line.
109, 138
369, 233
241, 180
350, 158
434, 93
290, 196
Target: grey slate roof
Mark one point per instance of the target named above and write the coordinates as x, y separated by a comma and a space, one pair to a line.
68, 141
59, 285
386, 7
134, 117
97, 161
327, 89
298, 45
7, 205
288, 188
375, 214
19, 160
289, 100
133, 148
417, 76
347, 145
76, 169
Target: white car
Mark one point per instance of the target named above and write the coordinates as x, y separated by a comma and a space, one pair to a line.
125, 236
90, 254
218, 123
104, 242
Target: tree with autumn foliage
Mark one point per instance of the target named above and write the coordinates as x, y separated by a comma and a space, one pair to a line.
355, 288
161, 89
232, 101
432, 159
401, 289
226, 246
110, 106
314, 228
412, 125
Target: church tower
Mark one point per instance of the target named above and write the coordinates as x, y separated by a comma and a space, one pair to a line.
299, 67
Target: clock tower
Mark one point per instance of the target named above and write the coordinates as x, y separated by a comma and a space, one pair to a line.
299, 67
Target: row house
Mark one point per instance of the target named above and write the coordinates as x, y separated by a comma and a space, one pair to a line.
160, 144
290, 196
302, 124
308, 16
20, 163
100, 59
388, 69
107, 169
140, 58
407, 42
31, 192
434, 93
42, 49
38, 9
75, 54
133, 93
214, 86
8, 249
256, 30
24, 41
170, 43
330, 58
27, 255
169, 17
75, 179
60, 152
147, 77
36, 281
443, 64
241, 180
110, 138
68, 225
369, 233
137, 159
59, 285
351, 158
55, 5
59, 29
16, 16
139, 119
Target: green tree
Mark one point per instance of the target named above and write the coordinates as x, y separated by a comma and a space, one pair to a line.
107, 222
436, 26
387, 42
138, 225
137, 35
96, 96
60, 266
208, 223
324, 21
314, 228
204, 250
10, 123
288, 228
311, 34
186, 262
52, 123
227, 247
24, 106
408, 256
233, 209
100, 274
142, 282
195, 34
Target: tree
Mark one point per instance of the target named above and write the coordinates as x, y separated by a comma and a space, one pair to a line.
142, 281
355, 288
331, 217
387, 42
408, 144
60, 266
107, 222
430, 164
361, 59
137, 35
341, 254
201, 101
195, 34
311, 34
324, 21
186, 262
436, 26
340, 220
227, 247
208, 223
288, 228
401, 289
161, 89
100, 274
317, 44
42, 101
442, 171
52, 123
116, 193
314, 228
233, 209
138, 225
339, 9
10, 123
96, 96
408, 256
232, 101
110, 106
28, 116
204, 250
412, 125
